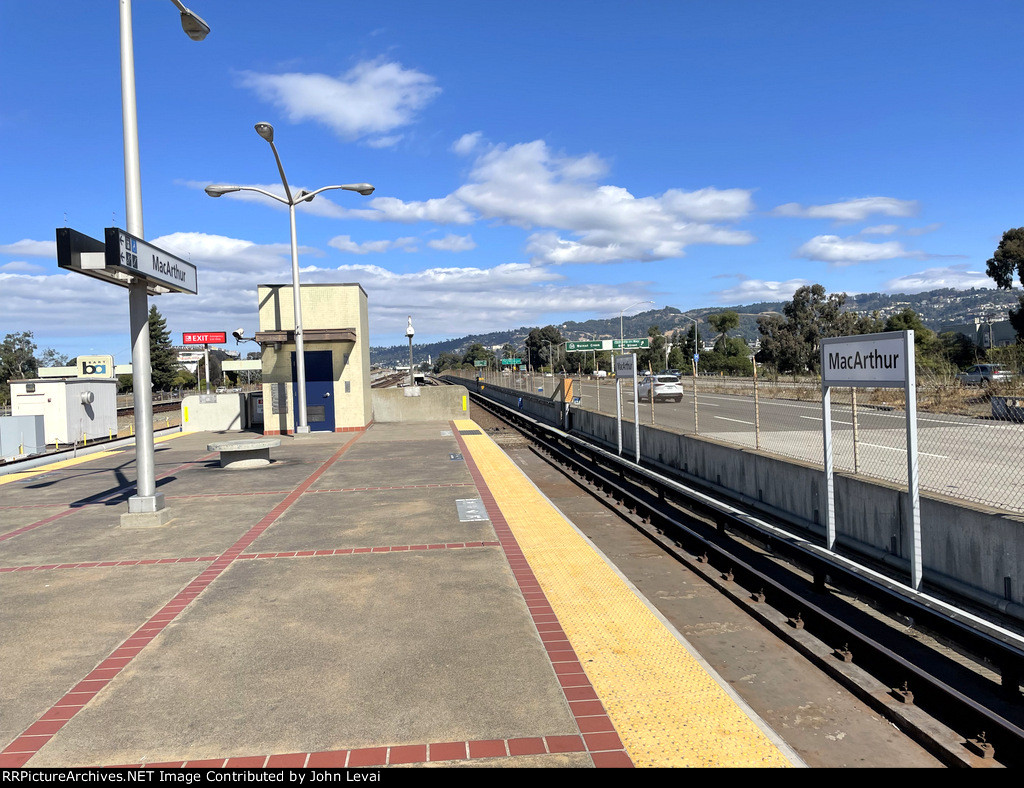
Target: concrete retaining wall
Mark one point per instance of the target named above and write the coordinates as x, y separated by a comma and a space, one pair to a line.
966, 547
430, 403
213, 412
536, 406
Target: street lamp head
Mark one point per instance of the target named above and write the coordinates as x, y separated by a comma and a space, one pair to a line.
193, 25
408, 331
266, 131
364, 189
219, 189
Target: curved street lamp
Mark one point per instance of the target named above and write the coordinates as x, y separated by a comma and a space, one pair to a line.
266, 131
622, 339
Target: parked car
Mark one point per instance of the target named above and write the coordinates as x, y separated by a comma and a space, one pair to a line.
665, 387
984, 374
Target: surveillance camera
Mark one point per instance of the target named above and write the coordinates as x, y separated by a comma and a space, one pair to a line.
238, 334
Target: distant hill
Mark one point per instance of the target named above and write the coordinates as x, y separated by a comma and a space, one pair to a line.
939, 309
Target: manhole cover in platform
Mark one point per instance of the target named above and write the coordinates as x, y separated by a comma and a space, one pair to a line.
471, 510
456, 456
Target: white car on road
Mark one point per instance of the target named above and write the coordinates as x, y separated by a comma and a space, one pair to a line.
665, 387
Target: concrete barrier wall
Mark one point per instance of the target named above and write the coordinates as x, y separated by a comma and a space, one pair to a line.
213, 412
538, 407
432, 403
966, 547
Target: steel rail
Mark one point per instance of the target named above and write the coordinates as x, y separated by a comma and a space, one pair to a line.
654, 494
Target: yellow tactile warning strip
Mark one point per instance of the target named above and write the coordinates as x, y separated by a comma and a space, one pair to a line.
53, 466
668, 709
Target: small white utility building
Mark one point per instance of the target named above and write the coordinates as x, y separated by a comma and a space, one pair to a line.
73, 409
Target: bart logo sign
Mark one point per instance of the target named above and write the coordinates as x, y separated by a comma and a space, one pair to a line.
95, 366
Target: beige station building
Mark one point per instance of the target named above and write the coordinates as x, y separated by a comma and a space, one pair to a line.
336, 333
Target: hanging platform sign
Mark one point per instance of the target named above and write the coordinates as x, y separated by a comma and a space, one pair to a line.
122, 259
138, 258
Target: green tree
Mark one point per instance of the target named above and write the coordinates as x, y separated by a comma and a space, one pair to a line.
17, 361
163, 360
723, 323
1007, 260
653, 357
477, 352
540, 352
929, 352
789, 342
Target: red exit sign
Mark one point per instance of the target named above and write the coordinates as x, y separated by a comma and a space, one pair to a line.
208, 338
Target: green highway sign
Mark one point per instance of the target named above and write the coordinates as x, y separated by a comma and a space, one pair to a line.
626, 344
479, 363
508, 362
573, 347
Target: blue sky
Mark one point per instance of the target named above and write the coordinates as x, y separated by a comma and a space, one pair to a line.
534, 163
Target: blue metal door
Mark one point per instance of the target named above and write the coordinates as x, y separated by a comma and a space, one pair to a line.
319, 390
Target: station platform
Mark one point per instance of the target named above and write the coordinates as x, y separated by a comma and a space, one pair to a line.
398, 596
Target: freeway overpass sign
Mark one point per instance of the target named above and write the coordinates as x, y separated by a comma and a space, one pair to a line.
630, 344
508, 362
607, 344
479, 363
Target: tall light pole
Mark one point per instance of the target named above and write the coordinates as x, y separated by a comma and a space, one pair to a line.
266, 131
146, 500
410, 333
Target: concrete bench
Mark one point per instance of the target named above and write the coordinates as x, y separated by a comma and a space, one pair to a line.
239, 454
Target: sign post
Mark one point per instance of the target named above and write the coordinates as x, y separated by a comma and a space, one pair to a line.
625, 367
874, 361
127, 261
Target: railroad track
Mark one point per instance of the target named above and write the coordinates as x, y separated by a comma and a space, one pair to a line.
942, 674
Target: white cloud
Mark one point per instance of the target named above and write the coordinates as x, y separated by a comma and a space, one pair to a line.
846, 251
220, 253
30, 248
20, 267
451, 302
453, 243
528, 186
955, 276
928, 228
440, 210
752, 290
371, 99
385, 142
880, 229
850, 210
344, 243
468, 143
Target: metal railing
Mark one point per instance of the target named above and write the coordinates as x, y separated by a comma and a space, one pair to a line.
970, 438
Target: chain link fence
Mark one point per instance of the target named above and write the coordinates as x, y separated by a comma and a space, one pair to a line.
970, 438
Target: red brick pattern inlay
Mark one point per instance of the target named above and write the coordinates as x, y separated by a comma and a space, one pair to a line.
599, 736
18, 752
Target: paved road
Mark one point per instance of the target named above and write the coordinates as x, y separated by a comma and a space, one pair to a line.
976, 459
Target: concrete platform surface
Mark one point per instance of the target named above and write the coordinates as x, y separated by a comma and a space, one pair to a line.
329, 609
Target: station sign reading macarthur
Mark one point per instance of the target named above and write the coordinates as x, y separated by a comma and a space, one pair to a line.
872, 360
134, 256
